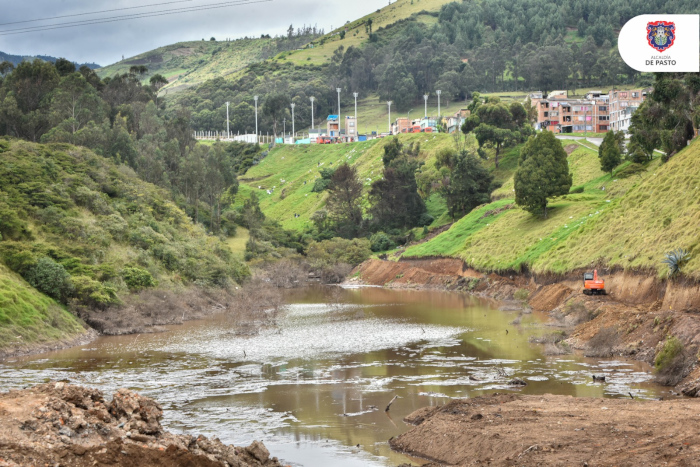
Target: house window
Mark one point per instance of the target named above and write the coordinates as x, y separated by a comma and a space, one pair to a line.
623, 95
635, 94
624, 104
603, 108
603, 118
546, 114
604, 127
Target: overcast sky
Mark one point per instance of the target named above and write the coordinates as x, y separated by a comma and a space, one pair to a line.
106, 43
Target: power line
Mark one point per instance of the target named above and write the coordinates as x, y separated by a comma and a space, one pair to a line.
93, 12
49, 27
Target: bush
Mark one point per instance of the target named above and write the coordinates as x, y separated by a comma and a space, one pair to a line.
521, 294
137, 278
93, 293
576, 189
11, 226
425, 220
381, 242
50, 278
338, 250
632, 169
670, 350
116, 226
676, 260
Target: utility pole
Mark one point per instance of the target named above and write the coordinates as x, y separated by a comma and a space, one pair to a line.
357, 128
293, 129
284, 129
312, 112
425, 98
256, 118
228, 133
438, 94
389, 104
408, 117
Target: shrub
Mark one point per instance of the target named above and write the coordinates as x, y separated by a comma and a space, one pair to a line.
146, 237
675, 260
116, 226
628, 171
425, 220
93, 293
381, 242
521, 294
50, 278
11, 226
338, 250
137, 278
576, 189
670, 350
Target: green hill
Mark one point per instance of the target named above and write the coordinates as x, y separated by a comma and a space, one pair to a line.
289, 173
188, 64
88, 232
621, 222
28, 318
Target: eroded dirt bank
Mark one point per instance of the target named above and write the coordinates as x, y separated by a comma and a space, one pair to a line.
635, 320
555, 430
58, 424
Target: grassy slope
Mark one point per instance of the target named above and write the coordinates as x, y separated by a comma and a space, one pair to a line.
28, 317
187, 64
632, 223
286, 169
356, 34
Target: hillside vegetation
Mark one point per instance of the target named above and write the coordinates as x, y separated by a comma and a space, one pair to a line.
27, 317
88, 232
289, 172
621, 222
187, 64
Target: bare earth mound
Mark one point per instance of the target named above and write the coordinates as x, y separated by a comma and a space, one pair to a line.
58, 424
555, 430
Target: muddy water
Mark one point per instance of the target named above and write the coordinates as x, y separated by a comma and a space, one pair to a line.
315, 388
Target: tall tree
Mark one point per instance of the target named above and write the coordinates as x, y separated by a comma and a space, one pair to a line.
469, 185
275, 107
345, 201
543, 172
610, 151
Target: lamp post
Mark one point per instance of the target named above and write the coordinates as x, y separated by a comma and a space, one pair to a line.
312, 112
389, 104
228, 133
357, 128
256, 118
338, 89
425, 98
438, 94
293, 105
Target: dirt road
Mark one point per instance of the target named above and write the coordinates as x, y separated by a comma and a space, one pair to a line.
555, 430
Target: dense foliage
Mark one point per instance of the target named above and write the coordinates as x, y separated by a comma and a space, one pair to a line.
543, 172
80, 228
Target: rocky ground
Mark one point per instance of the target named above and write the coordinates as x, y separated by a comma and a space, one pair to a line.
58, 424
512, 430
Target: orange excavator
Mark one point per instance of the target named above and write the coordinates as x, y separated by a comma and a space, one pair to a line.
592, 285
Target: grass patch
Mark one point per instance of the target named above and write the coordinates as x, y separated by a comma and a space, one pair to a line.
27, 317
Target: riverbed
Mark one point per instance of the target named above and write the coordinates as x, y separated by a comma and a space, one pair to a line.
314, 387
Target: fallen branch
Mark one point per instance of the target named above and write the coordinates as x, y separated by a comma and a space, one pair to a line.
391, 402
531, 448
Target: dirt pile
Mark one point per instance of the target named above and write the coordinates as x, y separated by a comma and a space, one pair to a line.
59, 424
555, 430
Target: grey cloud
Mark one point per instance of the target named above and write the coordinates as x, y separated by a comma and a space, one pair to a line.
106, 43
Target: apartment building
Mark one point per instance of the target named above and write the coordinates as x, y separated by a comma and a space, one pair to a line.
333, 126
596, 112
622, 105
351, 128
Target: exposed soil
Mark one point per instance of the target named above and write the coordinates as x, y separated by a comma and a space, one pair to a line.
148, 311
29, 349
636, 317
555, 430
58, 424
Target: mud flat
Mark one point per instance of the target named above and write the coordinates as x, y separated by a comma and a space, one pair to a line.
58, 424
554, 430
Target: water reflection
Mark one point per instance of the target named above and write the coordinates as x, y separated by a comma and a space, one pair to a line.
316, 387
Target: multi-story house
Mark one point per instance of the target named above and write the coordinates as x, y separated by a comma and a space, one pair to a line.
622, 105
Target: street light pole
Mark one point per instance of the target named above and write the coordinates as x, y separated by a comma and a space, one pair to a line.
357, 128
256, 118
438, 94
389, 104
312, 112
228, 133
425, 98
338, 89
293, 105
